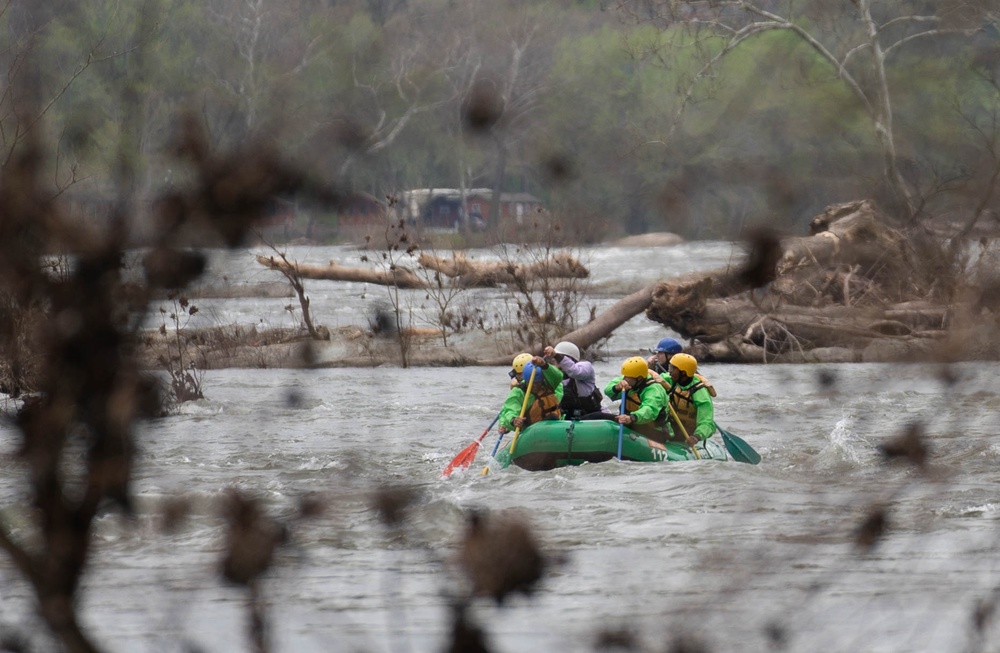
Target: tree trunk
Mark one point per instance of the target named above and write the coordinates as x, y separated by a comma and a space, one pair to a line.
399, 277
600, 327
501, 171
854, 286
604, 324
466, 273
483, 274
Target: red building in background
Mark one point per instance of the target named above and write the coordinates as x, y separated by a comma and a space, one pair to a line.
442, 208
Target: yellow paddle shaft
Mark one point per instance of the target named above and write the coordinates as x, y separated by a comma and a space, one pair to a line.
517, 431
524, 407
677, 421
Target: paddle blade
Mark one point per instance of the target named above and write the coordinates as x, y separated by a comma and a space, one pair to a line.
467, 455
462, 460
738, 448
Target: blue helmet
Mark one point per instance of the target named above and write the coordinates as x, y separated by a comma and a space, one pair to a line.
668, 346
529, 369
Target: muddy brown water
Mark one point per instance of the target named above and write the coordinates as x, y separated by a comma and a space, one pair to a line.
740, 557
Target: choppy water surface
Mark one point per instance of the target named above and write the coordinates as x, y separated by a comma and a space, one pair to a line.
746, 558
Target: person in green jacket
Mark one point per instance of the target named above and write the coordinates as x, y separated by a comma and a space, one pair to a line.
645, 400
546, 393
690, 396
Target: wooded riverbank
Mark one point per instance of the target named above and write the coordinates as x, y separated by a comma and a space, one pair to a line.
854, 290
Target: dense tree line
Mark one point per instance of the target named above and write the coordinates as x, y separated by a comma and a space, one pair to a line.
698, 118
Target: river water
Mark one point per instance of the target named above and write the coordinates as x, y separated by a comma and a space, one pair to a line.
739, 557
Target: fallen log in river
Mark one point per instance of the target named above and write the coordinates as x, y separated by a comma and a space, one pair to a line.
398, 276
461, 271
854, 290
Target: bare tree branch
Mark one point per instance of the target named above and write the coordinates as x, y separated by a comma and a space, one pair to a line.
758, 18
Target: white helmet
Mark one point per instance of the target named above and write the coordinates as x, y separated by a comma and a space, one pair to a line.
568, 349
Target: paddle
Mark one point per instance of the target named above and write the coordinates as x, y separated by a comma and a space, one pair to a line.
677, 421
517, 431
467, 455
621, 427
738, 448
496, 447
524, 407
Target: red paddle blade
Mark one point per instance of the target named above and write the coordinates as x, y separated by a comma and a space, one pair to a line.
462, 460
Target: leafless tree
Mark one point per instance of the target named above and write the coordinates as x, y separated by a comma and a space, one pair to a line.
270, 46
857, 39
502, 98
387, 126
493, 70
463, 62
294, 278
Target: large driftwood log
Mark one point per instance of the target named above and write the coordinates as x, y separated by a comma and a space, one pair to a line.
624, 310
482, 274
723, 281
849, 240
682, 300
718, 319
604, 324
600, 327
852, 286
925, 346
463, 272
399, 276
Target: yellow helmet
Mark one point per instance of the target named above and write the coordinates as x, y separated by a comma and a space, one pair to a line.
685, 363
635, 366
519, 362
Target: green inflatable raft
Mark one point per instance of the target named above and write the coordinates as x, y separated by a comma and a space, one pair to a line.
558, 443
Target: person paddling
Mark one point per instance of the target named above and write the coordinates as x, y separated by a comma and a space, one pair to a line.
581, 396
659, 363
517, 366
543, 403
690, 397
645, 400
661, 354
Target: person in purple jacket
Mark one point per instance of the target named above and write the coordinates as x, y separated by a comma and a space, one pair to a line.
581, 396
